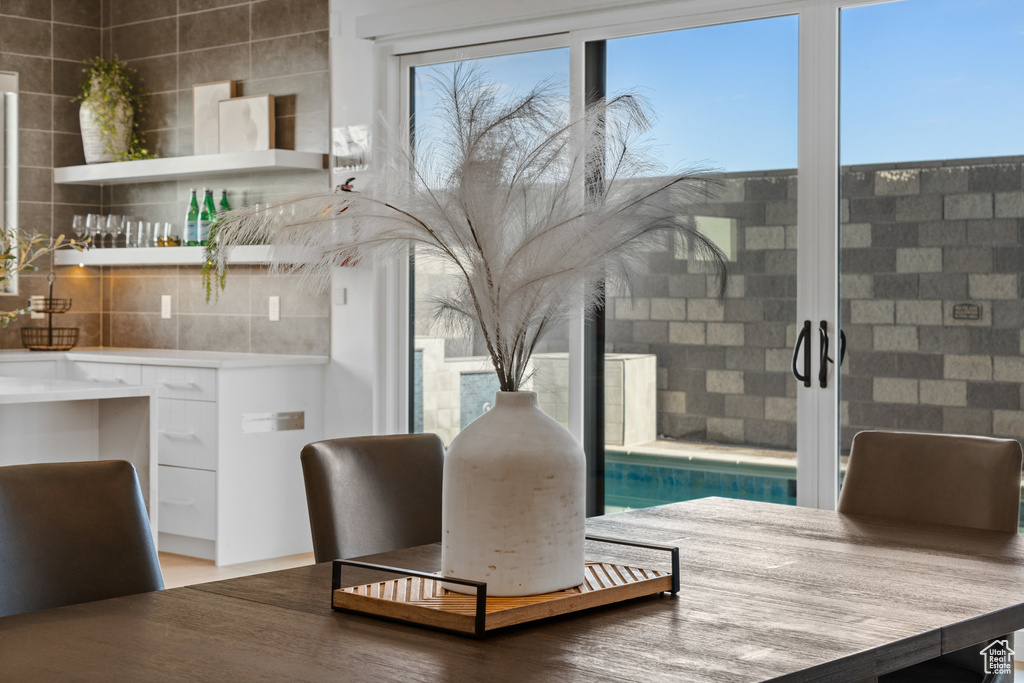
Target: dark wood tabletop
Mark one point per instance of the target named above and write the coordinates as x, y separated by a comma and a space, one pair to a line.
768, 592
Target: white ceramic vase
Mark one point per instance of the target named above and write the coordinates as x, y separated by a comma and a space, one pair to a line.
514, 503
93, 140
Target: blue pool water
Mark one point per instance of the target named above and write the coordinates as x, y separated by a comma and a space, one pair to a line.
640, 485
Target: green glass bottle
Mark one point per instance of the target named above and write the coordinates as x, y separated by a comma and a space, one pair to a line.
206, 216
192, 222
224, 206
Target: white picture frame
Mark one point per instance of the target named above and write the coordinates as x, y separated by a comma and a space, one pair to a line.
206, 98
247, 124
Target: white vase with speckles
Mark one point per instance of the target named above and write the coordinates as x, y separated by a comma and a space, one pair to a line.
514, 503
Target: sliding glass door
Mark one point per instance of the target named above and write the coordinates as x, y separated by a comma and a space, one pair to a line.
932, 233
738, 396
699, 396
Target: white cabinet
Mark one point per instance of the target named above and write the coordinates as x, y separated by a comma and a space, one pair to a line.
40, 369
228, 443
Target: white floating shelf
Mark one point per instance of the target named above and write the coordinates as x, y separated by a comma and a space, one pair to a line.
172, 168
157, 256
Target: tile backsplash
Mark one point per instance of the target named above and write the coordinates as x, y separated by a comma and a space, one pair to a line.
268, 46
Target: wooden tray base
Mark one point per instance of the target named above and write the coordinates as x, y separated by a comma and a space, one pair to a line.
419, 598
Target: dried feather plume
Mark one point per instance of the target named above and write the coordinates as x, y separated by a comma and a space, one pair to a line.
533, 212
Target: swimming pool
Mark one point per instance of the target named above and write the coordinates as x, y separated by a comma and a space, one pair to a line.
633, 482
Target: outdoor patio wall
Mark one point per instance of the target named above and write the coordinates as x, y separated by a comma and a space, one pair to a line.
917, 239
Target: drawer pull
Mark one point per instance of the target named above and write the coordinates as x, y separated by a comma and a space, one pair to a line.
175, 501
94, 378
177, 385
178, 435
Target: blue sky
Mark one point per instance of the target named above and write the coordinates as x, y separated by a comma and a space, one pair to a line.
920, 80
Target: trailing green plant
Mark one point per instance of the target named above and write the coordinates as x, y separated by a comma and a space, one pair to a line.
210, 272
108, 83
19, 252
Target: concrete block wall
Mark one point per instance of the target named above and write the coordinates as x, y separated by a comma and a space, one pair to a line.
918, 241
921, 241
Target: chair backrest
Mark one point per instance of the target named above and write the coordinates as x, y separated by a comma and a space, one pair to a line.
967, 481
372, 494
73, 532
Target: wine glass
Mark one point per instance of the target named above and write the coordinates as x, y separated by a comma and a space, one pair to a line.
78, 229
93, 225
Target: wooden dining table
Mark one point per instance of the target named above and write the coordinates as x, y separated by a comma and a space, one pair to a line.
767, 592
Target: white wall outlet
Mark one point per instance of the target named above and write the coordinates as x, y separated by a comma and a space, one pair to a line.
165, 306
340, 296
274, 308
37, 302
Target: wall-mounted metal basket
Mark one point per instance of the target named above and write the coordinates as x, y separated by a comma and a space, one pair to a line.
49, 338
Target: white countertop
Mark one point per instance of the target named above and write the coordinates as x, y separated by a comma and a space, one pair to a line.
19, 390
192, 359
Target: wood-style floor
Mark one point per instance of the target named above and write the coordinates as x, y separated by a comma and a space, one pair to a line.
179, 570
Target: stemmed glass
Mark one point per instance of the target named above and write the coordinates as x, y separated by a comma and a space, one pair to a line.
93, 226
78, 229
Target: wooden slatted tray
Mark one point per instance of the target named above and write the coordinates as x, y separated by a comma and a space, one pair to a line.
419, 598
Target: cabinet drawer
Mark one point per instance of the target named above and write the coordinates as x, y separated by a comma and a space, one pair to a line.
188, 502
195, 384
187, 433
123, 373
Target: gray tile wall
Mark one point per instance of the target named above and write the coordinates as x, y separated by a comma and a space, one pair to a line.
917, 239
268, 46
44, 41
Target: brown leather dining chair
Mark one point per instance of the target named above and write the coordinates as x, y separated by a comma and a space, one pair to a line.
965, 481
372, 494
73, 532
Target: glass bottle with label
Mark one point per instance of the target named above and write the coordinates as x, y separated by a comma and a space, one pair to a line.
206, 216
192, 221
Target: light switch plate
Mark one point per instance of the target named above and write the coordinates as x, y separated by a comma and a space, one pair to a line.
275, 309
165, 306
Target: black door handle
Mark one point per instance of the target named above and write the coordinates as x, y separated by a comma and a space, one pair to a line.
823, 358
803, 340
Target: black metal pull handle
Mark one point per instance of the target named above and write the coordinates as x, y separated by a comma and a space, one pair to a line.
823, 359
803, 340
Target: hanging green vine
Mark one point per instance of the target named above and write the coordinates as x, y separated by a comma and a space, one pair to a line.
107, 84
210, 271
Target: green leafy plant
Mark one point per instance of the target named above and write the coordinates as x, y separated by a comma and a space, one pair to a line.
107, 84
19, 252
210, 272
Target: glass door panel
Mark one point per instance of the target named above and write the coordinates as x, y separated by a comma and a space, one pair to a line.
931, 248
699, 395
452, 379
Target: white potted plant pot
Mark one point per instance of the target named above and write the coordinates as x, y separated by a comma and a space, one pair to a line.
102, 146
514, 502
